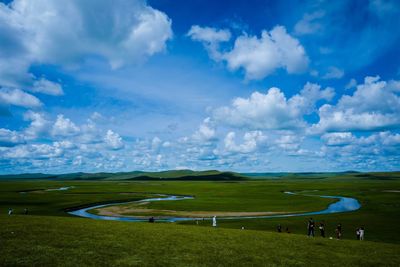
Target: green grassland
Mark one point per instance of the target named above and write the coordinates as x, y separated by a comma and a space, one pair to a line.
50, 236
55, 241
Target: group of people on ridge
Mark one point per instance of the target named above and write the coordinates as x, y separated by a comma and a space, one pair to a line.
338, 231
311, 226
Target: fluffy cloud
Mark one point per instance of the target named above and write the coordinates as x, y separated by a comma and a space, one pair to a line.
390, 139
17, 97
258, 57
209, 35
113, 140
47, 87
38, 125
206, 131
251, 141
338, 139
375, 105
57, 32
375, 151
272, 110
10, 138
64, 127
34, 151
65, 33
289, 142
211, 38
48, 145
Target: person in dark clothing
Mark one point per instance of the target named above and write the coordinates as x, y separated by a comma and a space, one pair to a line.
322, 228
358, 233
26, 211
279, 228
151, 220
311, 227
338, 231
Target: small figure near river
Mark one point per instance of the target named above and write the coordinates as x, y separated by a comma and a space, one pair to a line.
360, 233
338, 231
322, 229
311, 227
214, 221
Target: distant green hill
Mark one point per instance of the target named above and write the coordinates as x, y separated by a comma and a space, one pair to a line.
209, 175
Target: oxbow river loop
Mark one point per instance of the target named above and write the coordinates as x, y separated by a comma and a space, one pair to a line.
343, 204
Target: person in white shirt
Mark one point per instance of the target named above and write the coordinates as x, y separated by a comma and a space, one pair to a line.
361, 233
214, 221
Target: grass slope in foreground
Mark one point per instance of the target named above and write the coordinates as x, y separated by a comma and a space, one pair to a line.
57, 241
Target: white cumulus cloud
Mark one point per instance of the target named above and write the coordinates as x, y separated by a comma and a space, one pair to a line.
17, 97
251, 141
257, 56
272, 110
206, 131
338, 139
113, 140
64, 127
10, 138
65, 32
38, 124
47, 87
375, 105
211, 38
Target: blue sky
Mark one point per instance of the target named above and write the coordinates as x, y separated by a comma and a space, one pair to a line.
250, 86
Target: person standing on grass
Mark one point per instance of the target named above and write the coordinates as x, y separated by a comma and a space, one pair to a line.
338, 231
358, 233
26, 211
322, 229
310, 227
279, 228
214, 221
361, 233
10, 211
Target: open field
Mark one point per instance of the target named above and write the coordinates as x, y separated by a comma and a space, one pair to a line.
49, 241
49, 235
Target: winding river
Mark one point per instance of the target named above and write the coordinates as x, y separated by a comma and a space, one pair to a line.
343, 204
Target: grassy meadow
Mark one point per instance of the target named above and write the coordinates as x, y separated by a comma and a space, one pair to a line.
48, 236
56, 241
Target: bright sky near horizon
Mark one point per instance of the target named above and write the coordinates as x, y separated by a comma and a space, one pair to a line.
250, 86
